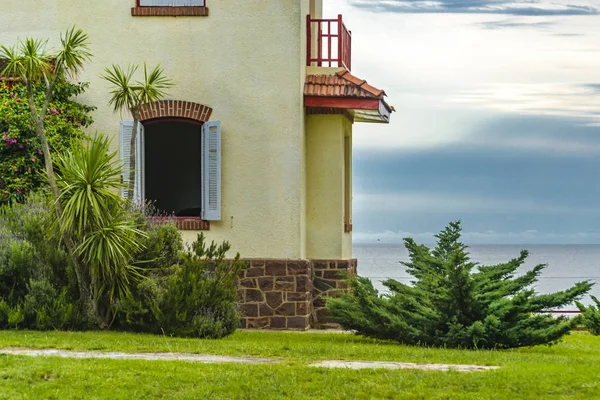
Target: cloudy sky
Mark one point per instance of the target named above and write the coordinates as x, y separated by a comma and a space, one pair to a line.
497, 122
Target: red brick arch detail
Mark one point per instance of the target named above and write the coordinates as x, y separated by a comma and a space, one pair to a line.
175, 109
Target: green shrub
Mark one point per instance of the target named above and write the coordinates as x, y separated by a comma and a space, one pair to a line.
28, 226
193, 297
454, 302
590, 316
46, 307
21, 159
37, 284
179, 292
162, 246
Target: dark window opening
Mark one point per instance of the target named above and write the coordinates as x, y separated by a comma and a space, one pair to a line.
173, 167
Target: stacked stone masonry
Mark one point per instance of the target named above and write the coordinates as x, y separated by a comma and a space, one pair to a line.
329, 280
289, 294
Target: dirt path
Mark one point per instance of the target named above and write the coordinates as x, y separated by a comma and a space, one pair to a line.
212, 359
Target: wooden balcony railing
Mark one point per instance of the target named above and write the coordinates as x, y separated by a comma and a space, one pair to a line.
329, 43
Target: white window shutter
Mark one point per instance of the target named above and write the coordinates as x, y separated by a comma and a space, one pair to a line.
139, 192
211, 171
126, 130
139, 188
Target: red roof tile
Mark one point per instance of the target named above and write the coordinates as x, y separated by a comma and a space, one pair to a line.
342, 84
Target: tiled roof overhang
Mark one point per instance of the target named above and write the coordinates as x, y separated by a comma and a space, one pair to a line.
344, 91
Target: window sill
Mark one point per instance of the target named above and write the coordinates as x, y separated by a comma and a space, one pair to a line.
158, 11
184, 223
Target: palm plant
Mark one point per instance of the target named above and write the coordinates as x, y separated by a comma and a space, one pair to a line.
131, 96
88, 177
34, 66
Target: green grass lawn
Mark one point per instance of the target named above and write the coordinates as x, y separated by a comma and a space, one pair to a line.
568, 370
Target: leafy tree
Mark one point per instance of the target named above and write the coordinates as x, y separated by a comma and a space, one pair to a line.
454, 302
34, 66
131, 96
21, 157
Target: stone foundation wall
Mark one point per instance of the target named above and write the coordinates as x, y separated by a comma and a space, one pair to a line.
289, 294
328, 280
275, 294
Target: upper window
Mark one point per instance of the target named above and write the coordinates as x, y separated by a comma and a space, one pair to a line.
173, 8
171, 3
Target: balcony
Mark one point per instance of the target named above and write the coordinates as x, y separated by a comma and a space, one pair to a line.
329, 43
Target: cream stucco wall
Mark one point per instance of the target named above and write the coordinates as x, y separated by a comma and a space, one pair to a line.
246, 61
347, 198
325, 184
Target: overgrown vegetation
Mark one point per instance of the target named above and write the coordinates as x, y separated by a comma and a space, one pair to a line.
175, 291
94, 213
30, 62
21, 157
590, 316
38, 287
454, 302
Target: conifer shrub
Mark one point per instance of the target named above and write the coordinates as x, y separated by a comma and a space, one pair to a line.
454, 302
192, 297
590, 316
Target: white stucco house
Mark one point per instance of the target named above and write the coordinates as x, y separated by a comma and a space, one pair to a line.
254, 144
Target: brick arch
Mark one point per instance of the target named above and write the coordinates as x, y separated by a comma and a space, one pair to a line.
175, 109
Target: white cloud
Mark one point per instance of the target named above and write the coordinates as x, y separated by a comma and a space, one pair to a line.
442, 202
548, 98
510, 7
485, 237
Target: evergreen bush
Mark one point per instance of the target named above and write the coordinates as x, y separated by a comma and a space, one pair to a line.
194, 297
454, 302
590, 316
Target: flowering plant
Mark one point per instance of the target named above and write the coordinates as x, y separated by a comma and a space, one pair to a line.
21, 159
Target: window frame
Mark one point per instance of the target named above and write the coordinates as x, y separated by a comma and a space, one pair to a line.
169, 11
137, 4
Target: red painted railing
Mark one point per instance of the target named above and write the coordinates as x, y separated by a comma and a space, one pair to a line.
329, 43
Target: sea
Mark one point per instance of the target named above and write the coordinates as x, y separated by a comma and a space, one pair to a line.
566, 264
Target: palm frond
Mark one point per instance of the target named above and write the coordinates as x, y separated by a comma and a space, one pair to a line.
124, 94
74, 51
88, 177
108, 250
28, 60
154, 86
13, 62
